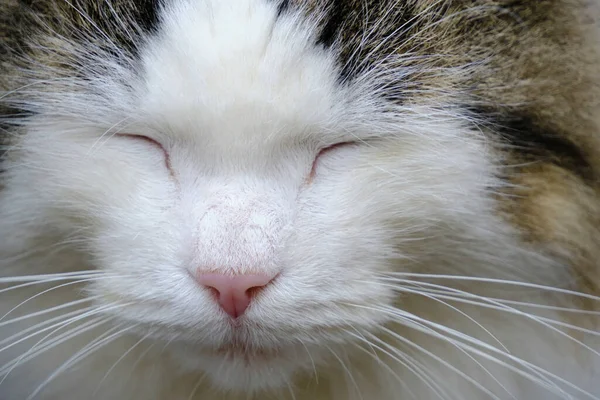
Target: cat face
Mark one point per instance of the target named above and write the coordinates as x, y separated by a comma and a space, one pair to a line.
232, 147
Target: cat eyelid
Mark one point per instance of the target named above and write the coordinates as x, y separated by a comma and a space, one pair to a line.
153, 142
336, 146
144, 138
328, 149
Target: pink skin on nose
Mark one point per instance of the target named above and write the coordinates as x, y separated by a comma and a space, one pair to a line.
233, 291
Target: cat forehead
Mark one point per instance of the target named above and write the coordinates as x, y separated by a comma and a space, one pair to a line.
238, 70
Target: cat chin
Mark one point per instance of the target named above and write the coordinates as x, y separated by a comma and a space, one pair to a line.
234, 370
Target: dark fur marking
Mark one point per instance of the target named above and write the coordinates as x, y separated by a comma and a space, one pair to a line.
283, 6
336, 16
533, 142
96, 17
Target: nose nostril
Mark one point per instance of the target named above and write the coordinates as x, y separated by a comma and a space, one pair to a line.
254, 290
234, 293
213, 290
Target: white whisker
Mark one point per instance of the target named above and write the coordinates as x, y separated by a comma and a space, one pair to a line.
119, 360
498, 281
314, 366
435, 298
47, 291
404, 361
546, 322
443, 362
418, 323
196, 387
34, 352
38, 328
83, 353
50, 277
48, 310
139, 359
78, 315
348, 372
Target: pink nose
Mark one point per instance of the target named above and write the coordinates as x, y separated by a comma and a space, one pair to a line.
234, 293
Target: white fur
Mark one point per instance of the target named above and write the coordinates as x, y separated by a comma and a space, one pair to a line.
243, 103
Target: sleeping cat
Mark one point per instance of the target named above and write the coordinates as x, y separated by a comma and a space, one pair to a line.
303, 199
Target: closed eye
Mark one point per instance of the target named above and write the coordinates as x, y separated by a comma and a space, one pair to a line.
144, 138
152, 142
324, 151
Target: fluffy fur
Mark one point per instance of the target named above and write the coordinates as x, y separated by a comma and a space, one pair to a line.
422, 175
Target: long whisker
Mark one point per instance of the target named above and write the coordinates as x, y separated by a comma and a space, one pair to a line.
505, 308
49, 277
429, 331
447, 289
83, 353
538, 371
38, 328
444, 363
412, 321
32, 353
356, 387
139, 359
403, 361
417, 323
435, 298
119, 360
422, 328
78, 316
196, 387
48, 310
314, 366
498, 281
291, 390
364, 340
546, 322
47, 291
486, 370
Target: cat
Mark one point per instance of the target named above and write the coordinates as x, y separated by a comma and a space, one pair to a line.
302, 199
